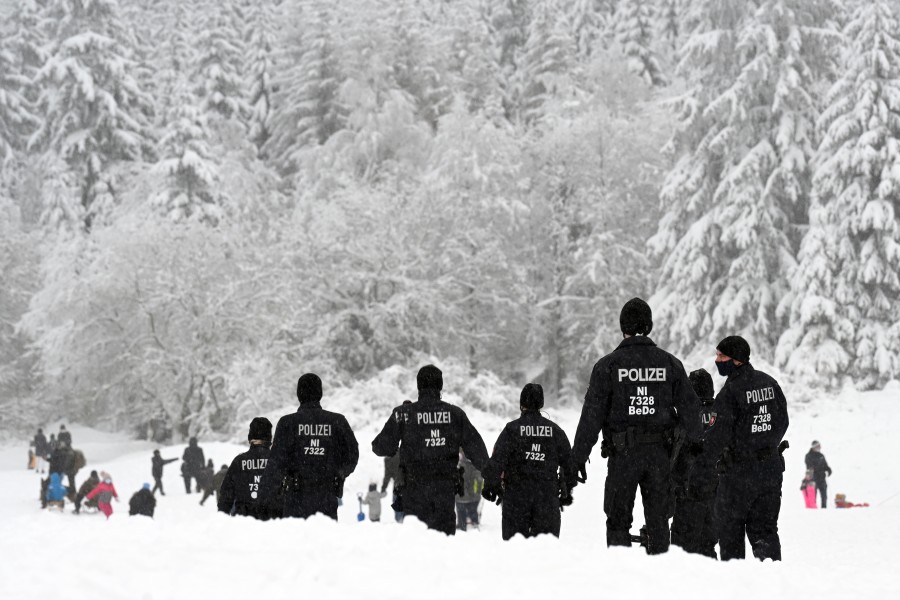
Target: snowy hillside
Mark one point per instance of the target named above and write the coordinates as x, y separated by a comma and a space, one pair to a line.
189, 551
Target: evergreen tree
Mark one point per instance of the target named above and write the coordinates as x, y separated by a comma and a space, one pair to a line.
670, 27
306, 109
94, 113
261, 69
219, 67
188, 166
737, 197
588, 23
636, 33
548, 59
844, 312
16, 117
173, 59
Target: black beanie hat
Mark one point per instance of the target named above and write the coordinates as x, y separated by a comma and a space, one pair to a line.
430, 377
532, 397
636, 318
260, 429
736, 347
309, 388
702, 383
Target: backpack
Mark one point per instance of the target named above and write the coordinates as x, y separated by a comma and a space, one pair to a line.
78, 461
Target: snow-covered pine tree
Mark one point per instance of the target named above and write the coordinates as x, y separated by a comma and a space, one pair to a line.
738, 194
16, 117
588, 23
548, 59
844, 313
218, 72
669, 17
94, 113
306, 111
261, 70
173, 59
188, 165
636, 33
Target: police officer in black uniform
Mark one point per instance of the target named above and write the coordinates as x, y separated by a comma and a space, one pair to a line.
637, 395
531, 469
747, 425
239, 492
429, 433
693, 525
313, 451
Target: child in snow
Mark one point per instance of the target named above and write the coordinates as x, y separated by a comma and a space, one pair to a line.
104, 492
373, 499
808, 487
56, 492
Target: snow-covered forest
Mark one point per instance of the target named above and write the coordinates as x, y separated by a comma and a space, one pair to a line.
202, 199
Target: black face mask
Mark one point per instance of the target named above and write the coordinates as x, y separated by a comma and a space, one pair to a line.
726, 367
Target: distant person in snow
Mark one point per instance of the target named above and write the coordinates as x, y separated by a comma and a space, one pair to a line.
313, 451
142, 502
205, 480
746, 429
158, 462
373, 500
429, 433
239, 493
41, 450
215, 483
693, 524
56, 492
64, 437
86, 488
816, 462
531, 470
192, 467
467, 502
104, 493
51, 445
62, 461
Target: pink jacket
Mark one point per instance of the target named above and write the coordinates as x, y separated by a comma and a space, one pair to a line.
104, 492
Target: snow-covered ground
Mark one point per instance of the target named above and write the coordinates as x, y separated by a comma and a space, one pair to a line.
188, 551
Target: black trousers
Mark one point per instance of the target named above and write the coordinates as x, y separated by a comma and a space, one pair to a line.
645, 466
432, 501
748, 502
311, 498
694, 526
822, 488
157, 485
187, 484
530, 508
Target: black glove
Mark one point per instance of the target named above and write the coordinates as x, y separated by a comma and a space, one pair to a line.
606, 448
492, 493
565, 494
582, 473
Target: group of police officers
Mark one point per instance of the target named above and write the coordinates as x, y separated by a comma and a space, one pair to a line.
712, 465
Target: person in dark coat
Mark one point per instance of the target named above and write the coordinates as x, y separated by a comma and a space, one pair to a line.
205, 480
693, 523
747, 425
429, 433
638, 395
313, 451
142, 502
391, 471
51, 445
239, 492
86, 488
815, 461
192, 465
215, 483
156, 470
531, 470
64, 437
41, 450
62, 461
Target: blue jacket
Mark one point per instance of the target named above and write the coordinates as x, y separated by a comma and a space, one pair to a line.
55, 491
